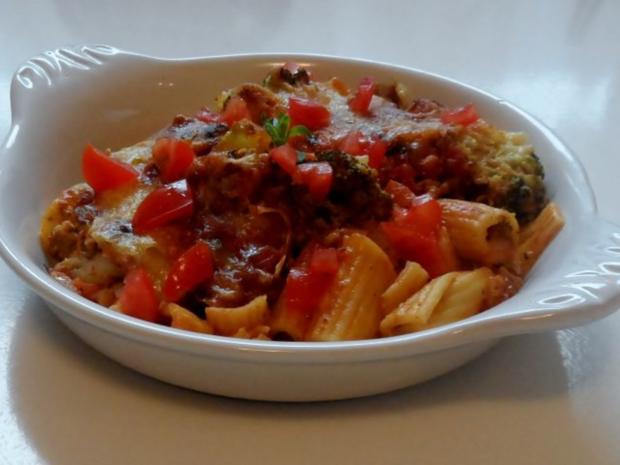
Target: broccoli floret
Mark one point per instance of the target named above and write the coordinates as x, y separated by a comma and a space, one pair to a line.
356, 195
505, 171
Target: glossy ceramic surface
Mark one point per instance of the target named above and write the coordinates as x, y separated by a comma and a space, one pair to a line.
135, 95
546, 398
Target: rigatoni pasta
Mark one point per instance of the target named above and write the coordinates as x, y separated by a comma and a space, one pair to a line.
306, 211
351, 308
479, 232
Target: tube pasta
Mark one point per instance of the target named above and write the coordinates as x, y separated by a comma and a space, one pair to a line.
416, 311
450, 297
409, 281
464, 298
351, 308
227, 321
184, 319
535, 238
480, 233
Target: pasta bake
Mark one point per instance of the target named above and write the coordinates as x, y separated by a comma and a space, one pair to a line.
305, 210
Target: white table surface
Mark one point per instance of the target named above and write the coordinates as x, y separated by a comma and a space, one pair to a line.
548, 398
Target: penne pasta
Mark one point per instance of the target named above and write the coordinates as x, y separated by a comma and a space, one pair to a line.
351, 308
464, 298
446, 299
479, 232
259, 332
416, 311
535, 238
409, 281
182, 318
227, 321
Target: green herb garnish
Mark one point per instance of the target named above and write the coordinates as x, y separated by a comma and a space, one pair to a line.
279, 129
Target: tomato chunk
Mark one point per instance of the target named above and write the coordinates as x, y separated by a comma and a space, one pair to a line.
173, 157
362, 98
195, 266
324, 260
414, 229
376, 153
162, 206
235, 110
308, 113
354, 143
286, 158
464, 116
308, 282
400, 193
317, 177
102, 172
138, 297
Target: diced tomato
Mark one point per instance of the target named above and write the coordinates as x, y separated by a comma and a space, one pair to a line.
317, 176
400, 193
207, 116
308, 113
362, 98
324, 260
138, 297
354, 143
102, 172
464, 116
376, 153
162, 206
286, 158
235, 110
414, 229
301, 292
412, 245
307, 282
190, 269
173, 157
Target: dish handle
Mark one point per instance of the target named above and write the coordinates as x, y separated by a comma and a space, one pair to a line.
588, 289
41, 72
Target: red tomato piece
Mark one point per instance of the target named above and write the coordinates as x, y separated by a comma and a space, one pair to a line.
207, 116
102, 172
324, 260
235, 110
362, 98
173, 157
301, 292
308, 113
425, 215
412, 245
190, 269
317, 177
162, 206
354, 143
286, 158
376, 153
464, 116
400, 193
138, 297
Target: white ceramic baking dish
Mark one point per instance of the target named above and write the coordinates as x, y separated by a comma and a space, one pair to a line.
64, 98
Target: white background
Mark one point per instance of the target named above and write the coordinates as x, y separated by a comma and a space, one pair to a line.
549, 398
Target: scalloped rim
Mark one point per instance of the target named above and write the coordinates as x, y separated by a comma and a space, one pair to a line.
549, 314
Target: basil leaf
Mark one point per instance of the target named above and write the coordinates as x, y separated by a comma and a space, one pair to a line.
299, 130
301, 157
271, 130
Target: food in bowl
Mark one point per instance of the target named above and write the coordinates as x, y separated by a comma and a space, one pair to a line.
303, 210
